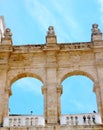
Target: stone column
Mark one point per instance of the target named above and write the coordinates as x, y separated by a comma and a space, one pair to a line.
1, 108
52, 105
59, 92
52, 97
2, 91
52, 101
44, 92
98, 97
6, 101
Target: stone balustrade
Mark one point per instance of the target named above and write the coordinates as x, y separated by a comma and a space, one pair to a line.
16, 121
71, 120
81, 119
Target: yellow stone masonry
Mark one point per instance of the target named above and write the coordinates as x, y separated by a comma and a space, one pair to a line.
51, 63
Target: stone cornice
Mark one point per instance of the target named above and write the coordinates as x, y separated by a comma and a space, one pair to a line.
53, 47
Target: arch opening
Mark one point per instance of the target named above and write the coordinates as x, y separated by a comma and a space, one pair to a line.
26, 97
78, 96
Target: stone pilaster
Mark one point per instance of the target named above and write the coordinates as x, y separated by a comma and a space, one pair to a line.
59, 92
51, 50
98, 97
7, 94
44, 92
2, 93
52, 104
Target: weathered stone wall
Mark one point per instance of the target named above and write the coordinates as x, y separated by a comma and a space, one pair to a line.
51, 63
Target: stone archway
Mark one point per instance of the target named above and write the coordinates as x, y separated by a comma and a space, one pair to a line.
14, 78
83, 72
26, 97
78, 96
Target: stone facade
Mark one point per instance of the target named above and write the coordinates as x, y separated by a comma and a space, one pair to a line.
51, 63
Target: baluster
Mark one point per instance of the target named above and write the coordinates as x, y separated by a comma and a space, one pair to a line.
89, 119
32, 121
10, 122
84, 119
15, 122
93, 119
67, 120
36, 121
19, 122
27, 121
72, 120
76, 120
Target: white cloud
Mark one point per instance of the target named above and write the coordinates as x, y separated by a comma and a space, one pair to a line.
101, 5
73, 106
54, 13
77, 104
101, 9
40, 13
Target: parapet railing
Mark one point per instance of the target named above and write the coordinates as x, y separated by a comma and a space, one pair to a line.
30, 120
71, 120
81, 119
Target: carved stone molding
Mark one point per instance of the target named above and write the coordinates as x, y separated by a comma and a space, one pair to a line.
44, 90
8, 90
60, 89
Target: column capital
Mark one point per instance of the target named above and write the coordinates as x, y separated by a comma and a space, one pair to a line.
96, 86
44, 90
8, 90
59, 89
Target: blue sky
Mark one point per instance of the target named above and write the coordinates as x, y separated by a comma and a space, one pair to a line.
72, 20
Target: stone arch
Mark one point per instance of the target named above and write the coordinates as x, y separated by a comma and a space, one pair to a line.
22, 75
15, 76
92, 77
81, 85
78, 72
